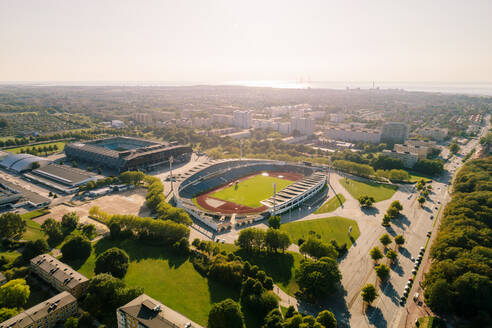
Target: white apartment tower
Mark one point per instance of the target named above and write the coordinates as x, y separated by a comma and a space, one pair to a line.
242, 119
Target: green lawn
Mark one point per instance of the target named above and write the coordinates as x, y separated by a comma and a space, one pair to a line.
377, 190
415, 177
431, 322
33, 229
169, 278
332, 204
335, 227
251, 191
59, 144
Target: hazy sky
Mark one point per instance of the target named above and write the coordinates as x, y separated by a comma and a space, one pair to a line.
215, 41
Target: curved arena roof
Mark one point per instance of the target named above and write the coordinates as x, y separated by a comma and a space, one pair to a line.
22, 162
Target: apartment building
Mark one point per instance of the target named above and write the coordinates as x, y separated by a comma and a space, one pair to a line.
408, 159
45, 314
59, 275
145, 311
304, 125
222, 119
437, 134
394, 133
353, 135
242, 119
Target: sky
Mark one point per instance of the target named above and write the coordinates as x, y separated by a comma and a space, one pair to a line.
230, 40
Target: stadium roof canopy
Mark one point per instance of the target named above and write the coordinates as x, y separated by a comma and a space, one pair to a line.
22, 162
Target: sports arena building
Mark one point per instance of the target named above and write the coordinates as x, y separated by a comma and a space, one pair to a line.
124, 153
220, 215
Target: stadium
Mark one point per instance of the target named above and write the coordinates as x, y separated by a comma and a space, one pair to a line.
123, 153
224, 193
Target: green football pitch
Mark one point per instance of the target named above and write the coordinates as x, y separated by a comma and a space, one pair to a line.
251, 191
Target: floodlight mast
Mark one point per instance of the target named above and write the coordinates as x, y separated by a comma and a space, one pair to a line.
274, 197
171, 160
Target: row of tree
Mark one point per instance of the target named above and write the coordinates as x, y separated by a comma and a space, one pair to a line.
460, 278
161, 232
258, 239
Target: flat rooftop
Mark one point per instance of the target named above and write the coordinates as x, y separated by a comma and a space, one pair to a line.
65, 174
28, 195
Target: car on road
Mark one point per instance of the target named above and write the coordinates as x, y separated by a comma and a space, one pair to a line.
414, 271
415, 297
412, 259
436, 208
432, 217
409, 196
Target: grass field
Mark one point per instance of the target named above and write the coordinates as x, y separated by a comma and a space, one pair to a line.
332, 204
335, 227
377, 190
59, 144
33, 229
251, 191
168, 277
160, 272
415, 177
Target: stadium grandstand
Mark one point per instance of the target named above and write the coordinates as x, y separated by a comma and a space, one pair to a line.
124, 153
197, 190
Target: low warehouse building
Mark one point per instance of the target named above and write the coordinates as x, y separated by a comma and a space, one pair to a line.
62, 178
16, 196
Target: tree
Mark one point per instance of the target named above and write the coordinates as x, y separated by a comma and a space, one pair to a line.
106, 293
438, 296
376, 254
114, 261
226, 314
421, 200
34, 248
6, 313
318, 278
327, 319
12, 226
273, 319
396, 204
386, 221
53, 230
85, 320
276, 239
14, 294
399, 240
318, 249
391, 255
71, 322
369, 293
454, 148
77, 247
251, 238
35, 165
385, 240
70, 221
274, 221
366, 201
382, 271
89, 230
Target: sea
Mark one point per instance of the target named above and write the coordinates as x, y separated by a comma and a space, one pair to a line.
466, 88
